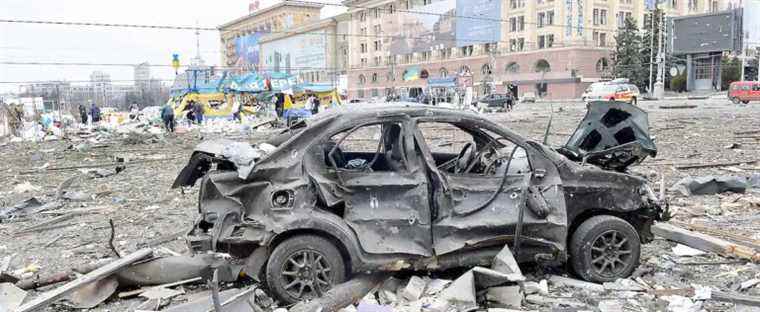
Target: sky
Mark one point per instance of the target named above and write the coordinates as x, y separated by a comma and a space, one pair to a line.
54, 43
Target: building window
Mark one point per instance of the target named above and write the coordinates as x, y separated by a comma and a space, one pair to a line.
378, 45
602, 65
600, 17
390, 76
513, 68
542, 66
360, 94
545, 41
362, 79
363, 47
486, 69
424, 74
464, 69
466, 51
374, 77
443, 72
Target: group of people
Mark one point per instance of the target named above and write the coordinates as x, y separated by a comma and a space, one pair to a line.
94, 113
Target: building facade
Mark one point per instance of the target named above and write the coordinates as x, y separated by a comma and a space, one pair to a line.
308, 52
142, 75
240, 37
553, 48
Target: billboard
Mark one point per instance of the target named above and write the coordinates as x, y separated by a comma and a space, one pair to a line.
415, 32
247, 50
751, 23
305, 52
715, 32
481, 24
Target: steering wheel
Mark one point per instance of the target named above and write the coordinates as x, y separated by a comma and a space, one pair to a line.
465, 157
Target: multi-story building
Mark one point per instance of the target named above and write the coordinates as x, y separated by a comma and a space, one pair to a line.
142, 75
553, 48
691, 7
240, 37
306, 51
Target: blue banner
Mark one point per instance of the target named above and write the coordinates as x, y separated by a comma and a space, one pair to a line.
478, 22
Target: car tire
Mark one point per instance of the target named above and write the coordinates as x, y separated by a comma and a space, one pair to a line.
745, 102
300, 262
634, 101
735, 100
604, 248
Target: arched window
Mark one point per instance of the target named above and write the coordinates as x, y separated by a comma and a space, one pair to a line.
362, 79
602, 65
374, 77
443, 72
513, 68
486, 69
542, 65
424, 74
464, 69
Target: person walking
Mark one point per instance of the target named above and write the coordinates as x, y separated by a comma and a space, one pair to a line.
236, 107
95, 113
198, 112
167, 115
83, 113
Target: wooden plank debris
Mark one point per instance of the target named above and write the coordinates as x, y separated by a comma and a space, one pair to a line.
704, 242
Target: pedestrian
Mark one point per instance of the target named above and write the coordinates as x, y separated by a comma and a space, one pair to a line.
236, 107
134, 111
83, 113
95, 113
190, 113
279, 103
14, 121
317, 105
198, 112
310, 103
167, 115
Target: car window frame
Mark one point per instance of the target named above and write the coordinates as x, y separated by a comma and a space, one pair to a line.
358, 125
513, 138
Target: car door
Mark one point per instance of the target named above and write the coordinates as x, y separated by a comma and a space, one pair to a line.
387, 202
471, 207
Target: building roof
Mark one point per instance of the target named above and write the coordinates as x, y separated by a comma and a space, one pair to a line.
270, 9
316, 25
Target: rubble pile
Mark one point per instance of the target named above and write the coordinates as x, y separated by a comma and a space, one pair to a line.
88, 222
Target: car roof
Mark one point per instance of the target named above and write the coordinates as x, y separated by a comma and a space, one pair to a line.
368, 110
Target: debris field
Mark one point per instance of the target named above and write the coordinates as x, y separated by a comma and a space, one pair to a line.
96, 204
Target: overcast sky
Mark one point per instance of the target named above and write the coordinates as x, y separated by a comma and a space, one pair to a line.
51, 43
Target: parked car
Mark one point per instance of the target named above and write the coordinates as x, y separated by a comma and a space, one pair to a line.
612, 91
377, 188
528, 97
496, 102
744, 91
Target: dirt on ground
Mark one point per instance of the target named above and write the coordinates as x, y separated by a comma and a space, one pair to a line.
146, 212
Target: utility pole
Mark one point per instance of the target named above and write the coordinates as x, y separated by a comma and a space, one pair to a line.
659, 86
651, 51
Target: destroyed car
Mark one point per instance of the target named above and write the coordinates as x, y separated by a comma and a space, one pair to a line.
406, 186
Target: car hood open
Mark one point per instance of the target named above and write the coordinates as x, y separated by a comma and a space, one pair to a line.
239, 156
613, 136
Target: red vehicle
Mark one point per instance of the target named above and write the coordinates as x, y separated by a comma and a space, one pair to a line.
744, 91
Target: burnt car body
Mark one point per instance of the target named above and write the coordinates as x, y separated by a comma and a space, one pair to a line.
312, 194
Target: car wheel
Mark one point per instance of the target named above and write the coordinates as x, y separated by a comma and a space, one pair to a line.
303, 267
734, 100
604, 248
634, 101
745, 102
